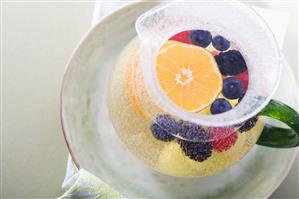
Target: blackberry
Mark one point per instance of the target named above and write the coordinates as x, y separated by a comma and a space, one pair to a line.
249, 124
168, 123
164, 128
190, 131
160, 134
198, 151
231, 62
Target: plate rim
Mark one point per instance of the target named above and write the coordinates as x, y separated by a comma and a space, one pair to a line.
68, 67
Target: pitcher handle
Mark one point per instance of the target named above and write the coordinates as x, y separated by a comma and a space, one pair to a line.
280, 137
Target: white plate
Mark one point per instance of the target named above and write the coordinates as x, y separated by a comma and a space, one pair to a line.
95, 146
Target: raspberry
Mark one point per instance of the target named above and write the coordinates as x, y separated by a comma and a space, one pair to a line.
224, 137
243, 77
182, 37
214, 52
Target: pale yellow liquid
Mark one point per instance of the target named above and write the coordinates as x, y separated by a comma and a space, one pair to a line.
133, 127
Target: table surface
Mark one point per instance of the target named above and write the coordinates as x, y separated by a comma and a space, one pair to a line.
37, 40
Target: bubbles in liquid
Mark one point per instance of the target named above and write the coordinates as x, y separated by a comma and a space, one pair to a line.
167, 143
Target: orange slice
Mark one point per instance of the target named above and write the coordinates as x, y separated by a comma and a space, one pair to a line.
132, 70
188, 75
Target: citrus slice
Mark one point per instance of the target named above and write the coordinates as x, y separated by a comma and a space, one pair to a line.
188, 75
131, 73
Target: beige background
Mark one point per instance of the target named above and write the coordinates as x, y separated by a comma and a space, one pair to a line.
37, 41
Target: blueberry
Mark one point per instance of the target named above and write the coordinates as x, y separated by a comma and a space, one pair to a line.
220, 105
198, 151
232, 88
220, 43
231, 62
191, 131
249, 124
200, 38
164, 128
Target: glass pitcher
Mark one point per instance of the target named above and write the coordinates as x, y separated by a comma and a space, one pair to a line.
176, 138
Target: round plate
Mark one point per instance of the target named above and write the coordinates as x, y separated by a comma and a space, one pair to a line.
94, 144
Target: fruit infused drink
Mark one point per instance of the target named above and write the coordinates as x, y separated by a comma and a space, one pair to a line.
200, 72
